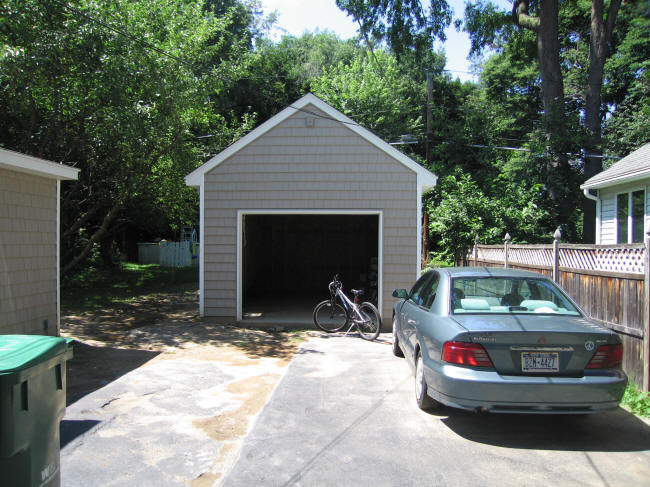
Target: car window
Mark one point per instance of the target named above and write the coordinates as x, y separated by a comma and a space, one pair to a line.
508, 295
430, 290
419, 290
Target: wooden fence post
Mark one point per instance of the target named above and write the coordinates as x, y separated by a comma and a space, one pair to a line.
508, 238
646, 315
556, 255
476, 241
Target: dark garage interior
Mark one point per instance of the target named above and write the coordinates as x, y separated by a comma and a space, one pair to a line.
289, 259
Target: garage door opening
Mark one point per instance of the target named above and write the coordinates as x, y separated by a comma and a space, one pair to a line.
288, 260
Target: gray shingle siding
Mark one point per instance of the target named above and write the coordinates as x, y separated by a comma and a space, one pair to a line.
292, 166
28, 220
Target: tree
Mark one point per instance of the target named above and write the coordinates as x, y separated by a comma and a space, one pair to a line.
626, 91
460, 210
404, 25
122, 90
279, 73
374, 92
543, 17
599, 49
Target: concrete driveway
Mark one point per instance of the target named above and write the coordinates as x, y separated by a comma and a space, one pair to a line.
344, 415
341, 413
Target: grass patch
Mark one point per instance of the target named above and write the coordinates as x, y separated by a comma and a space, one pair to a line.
636, 401
101, 287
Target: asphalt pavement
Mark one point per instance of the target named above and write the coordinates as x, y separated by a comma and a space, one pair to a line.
172, 422
344, 415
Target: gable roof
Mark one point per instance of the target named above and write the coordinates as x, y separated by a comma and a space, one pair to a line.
631, 168
19, 162
425, 178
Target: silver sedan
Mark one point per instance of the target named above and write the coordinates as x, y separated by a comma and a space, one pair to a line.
504, 341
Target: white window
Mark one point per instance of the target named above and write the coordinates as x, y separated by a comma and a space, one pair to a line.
630, 216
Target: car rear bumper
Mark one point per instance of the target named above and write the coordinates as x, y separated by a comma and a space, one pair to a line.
472, 389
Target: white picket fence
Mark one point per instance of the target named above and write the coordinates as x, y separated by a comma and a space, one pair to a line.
169, 254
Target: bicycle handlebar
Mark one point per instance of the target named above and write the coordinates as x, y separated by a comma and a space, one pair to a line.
335, 284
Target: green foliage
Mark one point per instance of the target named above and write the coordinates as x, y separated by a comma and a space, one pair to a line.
138, 93
627, 90
309, 56
489, 26
100, 287
437, 260
636, 401
121, 90
459, 210
373, 91
404, 25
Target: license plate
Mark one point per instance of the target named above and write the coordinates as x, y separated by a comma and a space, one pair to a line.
540, 362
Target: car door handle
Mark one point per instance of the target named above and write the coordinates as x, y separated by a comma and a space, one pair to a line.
411, 322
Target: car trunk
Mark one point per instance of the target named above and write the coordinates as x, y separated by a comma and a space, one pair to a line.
536, 345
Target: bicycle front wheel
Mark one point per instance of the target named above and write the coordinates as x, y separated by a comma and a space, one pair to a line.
371, 326
330, 317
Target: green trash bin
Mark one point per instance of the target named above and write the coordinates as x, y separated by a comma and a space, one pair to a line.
32, 404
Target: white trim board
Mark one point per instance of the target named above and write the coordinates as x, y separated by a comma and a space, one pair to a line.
202, 245
39, 167
58, 257
380, 246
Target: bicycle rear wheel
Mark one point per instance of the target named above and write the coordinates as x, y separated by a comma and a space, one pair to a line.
330, 317
371, 326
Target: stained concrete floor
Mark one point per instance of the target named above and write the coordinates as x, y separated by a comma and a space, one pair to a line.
289, 313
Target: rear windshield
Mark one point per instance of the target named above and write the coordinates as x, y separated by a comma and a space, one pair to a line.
508, 295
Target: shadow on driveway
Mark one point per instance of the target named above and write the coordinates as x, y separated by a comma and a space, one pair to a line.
93, 367
71, 429
616, 431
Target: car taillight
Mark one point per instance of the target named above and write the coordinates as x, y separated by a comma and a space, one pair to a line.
607, 357
462, 353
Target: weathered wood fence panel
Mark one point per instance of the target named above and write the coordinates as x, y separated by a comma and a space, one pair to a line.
609, 282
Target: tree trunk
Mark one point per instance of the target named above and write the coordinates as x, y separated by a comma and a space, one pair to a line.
548, 49
100, 233
548, 52
601, 32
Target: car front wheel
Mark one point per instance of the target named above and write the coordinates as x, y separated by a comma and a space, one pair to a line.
423, 400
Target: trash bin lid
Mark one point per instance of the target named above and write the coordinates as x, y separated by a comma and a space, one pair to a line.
20, 352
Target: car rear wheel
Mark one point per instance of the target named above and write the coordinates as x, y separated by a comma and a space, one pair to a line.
423, 400
396, 350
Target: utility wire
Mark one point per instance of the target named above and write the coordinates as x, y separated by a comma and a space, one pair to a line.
182, 61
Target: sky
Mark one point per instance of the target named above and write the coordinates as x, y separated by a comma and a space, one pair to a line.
297, 16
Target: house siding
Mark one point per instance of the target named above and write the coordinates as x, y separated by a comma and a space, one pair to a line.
296, 167
28, 253
608, 219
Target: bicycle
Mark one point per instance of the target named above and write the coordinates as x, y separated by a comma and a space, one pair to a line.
330, 316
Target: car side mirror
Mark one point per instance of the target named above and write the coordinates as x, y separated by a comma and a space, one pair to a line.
400, 293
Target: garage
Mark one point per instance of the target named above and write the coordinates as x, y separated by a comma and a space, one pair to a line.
306, 194
289, 258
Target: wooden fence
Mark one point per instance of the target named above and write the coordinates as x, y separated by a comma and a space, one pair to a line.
610, 282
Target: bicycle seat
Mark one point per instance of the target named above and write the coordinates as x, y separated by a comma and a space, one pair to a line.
356, 292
